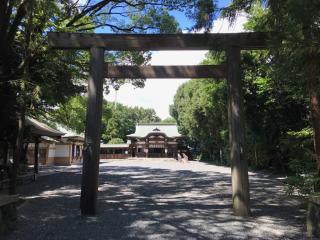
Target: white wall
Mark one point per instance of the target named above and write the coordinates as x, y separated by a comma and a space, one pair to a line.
62, 151
52, 150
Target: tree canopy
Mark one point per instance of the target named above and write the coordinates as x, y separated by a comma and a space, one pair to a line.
295, 42
118, 120
280, 94
280, 85
35, 80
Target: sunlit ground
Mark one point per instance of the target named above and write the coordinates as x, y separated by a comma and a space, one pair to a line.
156, 199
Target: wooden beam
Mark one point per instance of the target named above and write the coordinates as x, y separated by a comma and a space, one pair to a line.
146, 42
239, 165
202, 71
90, 170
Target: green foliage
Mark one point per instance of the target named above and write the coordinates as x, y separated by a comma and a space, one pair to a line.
200, 110
169, 120
38, 78
292, 65
273, 108
147, 16
117, 120
203, 13
298, 146
302, 184
144, 115
115, 141
276, 112
160, 19
33, 78
295, 25
72, 114
123, 120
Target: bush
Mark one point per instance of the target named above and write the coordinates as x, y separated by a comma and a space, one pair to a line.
303, 184
301, 163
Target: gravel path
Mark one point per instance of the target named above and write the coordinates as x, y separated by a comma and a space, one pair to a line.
156, 199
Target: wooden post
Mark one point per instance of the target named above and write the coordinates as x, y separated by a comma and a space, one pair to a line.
73, 146
17, 151
166, 147
147, 147
5, 152
36, 155
239, 165
90, 170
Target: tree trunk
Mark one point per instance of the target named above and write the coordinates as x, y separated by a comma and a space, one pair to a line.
314, 105
312, 78
24, 158
5, 152
17, 151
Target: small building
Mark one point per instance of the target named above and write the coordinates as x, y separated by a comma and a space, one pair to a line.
39, 141
52, 146
68, 150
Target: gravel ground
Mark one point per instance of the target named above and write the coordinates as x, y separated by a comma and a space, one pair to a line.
156, 199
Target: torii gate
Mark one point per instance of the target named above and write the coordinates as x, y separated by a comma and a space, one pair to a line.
232, 43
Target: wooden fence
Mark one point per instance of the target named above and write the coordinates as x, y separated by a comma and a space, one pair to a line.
114, 156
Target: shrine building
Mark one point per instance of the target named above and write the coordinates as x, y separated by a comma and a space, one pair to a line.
152, 140
155, 140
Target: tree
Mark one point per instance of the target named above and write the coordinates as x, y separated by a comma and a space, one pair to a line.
143, 16
199, 109
276, 114
21, 55
115, 141
117, 120
273, 111
295, 26
169, 120
145, 115
72, 114
23, 28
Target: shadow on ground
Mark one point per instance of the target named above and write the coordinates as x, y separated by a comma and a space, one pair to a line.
148, 203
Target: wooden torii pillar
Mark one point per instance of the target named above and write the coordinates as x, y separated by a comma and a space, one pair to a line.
239, 163
232, 43
91, 151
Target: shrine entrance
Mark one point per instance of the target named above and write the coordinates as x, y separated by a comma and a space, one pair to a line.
231, 43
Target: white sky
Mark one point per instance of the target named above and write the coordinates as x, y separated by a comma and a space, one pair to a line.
158, 93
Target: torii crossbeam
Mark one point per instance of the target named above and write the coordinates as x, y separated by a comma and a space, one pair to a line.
232, 43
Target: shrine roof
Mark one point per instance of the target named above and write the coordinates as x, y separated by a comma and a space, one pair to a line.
119, 145
41, 129
143, 130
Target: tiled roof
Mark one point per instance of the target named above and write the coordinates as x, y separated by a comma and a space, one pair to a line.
73, 137
142, 130
41, 129
120, 145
